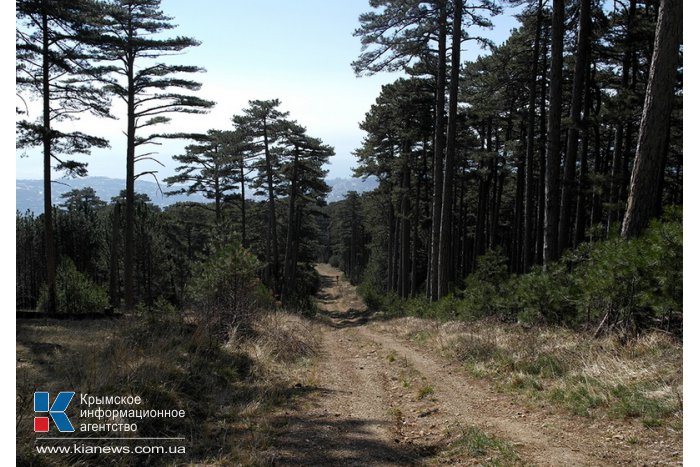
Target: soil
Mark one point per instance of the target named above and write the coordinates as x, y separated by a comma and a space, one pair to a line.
379, 400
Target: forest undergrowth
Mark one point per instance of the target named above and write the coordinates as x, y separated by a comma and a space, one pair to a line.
640, 380
227, 391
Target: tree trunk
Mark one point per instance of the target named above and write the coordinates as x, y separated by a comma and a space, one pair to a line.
114, 258
390, 245
493, 211
447, 198
527, 247
551, 214
130, 161
272, 216
243, 227
658, 104
480, 227
438, 153
49, 245
519, 233
618, 179
405, 226
539, 252
577, 93
289, 262
416, 222
583, 185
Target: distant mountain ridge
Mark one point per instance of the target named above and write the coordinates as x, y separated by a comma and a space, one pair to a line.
341, 187
30, 193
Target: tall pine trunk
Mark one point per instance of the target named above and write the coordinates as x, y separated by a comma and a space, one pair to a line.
623, 132
582, 204
541, 182
405, 226
273, 256
530, 188
551, 195
656, 116
130, 175
243, 226
438, 153
447, 195
569, 182
49, 244
483, 198
114, 258
289, 256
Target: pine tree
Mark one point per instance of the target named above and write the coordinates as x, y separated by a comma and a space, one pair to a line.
653, 134
263, 121
551, 213
211, 168
305, 185
151, 91
54, 63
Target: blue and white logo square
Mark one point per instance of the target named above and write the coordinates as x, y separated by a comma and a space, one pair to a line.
56, 411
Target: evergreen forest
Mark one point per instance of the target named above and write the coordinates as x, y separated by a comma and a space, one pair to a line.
527, 223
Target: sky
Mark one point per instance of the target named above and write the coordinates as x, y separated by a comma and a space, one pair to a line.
297, 51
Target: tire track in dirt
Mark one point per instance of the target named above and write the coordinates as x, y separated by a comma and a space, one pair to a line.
346, 419
377, 400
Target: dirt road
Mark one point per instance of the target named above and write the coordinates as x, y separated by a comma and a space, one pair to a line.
381, 401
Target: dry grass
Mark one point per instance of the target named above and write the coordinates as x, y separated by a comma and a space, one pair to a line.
641, 379
227, 391
472, 442
283, 337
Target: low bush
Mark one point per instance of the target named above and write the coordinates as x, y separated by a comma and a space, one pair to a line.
231, 393
615, 284
76, 293
636, 284
226, 290
334, 261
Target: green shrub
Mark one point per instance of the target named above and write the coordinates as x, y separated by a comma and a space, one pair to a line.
542, 297
307, 282
76, 293
482, 294
377, 299
334, 261
632, 401
634, 284
630, 284
227, 291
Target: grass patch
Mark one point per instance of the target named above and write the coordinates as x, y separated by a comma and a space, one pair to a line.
421, 337
479, 444
524, 382
546, 366
579, 399
425, 391
227, 391
640, 379
632, 401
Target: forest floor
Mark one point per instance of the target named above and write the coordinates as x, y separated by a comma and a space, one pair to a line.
381, 399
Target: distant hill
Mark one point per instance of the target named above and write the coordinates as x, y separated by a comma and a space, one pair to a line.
30, 193
341, 186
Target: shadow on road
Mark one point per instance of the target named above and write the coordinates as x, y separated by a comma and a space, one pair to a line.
347, 319
333, 440
334, 293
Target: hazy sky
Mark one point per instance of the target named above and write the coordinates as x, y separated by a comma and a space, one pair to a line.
298, 51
